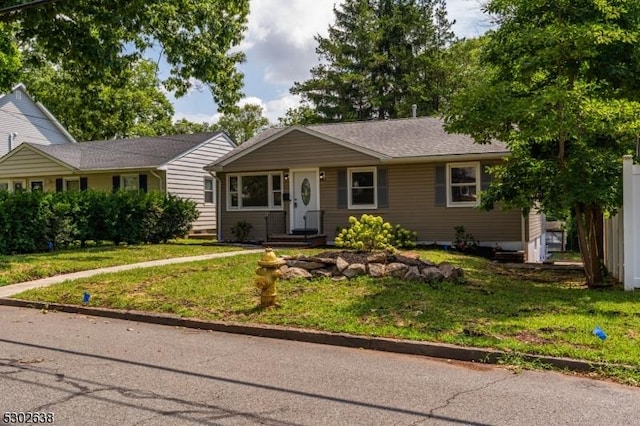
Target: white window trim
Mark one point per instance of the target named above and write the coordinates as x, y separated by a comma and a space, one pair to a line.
350, 204
271, 205
123, 177
64, 188
31, 181
205, 190
476, 165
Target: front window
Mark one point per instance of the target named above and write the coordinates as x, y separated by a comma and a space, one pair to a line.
72, 185
255, 191
37, 185
208, 190
362, 188
18, 185
129, 182
4, 186
463, 184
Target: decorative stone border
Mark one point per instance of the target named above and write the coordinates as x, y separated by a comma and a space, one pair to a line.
345, 265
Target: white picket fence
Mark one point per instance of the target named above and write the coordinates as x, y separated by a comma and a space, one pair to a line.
622, 232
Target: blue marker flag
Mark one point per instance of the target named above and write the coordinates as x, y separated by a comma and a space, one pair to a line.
85, 297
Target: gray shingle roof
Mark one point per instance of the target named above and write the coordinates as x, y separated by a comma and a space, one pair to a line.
143, 152
397, 139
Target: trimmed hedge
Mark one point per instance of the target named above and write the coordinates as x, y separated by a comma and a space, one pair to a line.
39, 221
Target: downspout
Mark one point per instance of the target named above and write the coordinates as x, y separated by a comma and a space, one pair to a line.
157, 176
218, 205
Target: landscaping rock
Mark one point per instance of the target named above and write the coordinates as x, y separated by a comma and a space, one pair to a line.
377, 270
450, 272
397, 269
341, 264
354, 270
289, 273
432, 274
304, 264
377, 258
413, 274
321, 273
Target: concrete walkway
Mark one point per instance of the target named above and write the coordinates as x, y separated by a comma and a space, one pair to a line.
12, 289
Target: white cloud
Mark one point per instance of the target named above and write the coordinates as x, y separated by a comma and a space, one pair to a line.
196, 117
281, 36
274, 108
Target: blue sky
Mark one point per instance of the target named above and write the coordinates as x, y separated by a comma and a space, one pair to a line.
280, 50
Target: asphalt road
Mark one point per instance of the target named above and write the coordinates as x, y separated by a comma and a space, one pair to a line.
89, 370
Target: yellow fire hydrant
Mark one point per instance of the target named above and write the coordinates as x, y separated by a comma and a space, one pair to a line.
268, 274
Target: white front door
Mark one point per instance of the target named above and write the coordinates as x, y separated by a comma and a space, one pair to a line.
305, 198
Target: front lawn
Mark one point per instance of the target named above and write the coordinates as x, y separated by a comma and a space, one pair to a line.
27, 267
522, 310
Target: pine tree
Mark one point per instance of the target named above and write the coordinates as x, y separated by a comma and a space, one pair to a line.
379, 58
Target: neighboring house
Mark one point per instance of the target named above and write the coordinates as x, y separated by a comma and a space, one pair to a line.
24, 120
410, 171
171, 164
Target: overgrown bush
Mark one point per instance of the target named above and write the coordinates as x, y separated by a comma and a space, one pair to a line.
36, 221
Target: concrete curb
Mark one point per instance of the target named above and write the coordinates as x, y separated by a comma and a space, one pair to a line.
435, 350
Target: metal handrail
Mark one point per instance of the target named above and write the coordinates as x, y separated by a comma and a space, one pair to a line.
275, 222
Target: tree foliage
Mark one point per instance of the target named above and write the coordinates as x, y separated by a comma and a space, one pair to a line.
562, 91
10, 62
244, 123
379, 58
128, 105
94, 39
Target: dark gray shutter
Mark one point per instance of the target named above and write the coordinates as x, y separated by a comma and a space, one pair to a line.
441, 186
84, 183
59, 185
115, 182
485, 177
142, 182
342, 189
383, 189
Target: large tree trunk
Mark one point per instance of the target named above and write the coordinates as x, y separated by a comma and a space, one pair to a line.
589, 221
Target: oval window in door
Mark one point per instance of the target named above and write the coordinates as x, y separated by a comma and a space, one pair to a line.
305, 191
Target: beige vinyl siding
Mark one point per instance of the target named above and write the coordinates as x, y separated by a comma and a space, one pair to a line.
19, 114
411, 192
412, 205
185, 179
298, 150
29, 163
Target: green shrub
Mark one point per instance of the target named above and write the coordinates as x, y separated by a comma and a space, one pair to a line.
464, 241
367, 234
36, 221
403, 238
241, 230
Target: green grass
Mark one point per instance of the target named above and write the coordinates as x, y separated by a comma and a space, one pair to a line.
18, 268
525, 311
